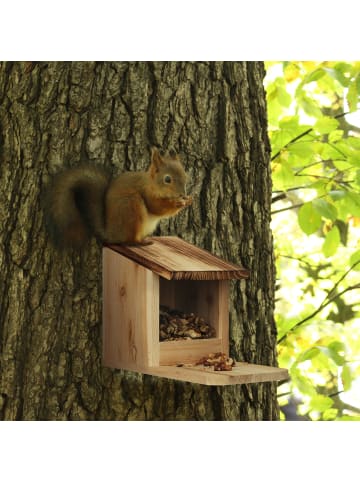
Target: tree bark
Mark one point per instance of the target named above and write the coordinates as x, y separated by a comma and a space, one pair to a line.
58, 114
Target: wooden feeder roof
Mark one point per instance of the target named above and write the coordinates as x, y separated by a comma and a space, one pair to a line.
173, 258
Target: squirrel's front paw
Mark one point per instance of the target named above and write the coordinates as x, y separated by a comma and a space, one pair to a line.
184, 201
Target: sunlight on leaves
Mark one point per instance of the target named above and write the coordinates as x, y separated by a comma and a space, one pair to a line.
314, 130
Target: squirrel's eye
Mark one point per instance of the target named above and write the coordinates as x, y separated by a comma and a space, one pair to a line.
167, 179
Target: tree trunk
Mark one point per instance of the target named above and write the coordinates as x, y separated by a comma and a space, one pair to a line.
58, 114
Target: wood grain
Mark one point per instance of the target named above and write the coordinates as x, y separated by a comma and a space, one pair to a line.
190, 351
173, 258
130, 313
241, 373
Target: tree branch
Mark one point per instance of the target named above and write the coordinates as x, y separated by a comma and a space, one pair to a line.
340, 405
294, 189
292, 142
280, 197
327, 300
293, 206
343, 114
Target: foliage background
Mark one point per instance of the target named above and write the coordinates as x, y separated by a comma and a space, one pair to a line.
314, 128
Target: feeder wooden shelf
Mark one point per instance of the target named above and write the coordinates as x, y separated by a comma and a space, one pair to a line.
171, 272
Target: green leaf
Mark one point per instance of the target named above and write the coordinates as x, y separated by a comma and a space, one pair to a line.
353, 142
343, 67
326, 209
309, 219
338, 73
332, 353
337, 346
284, 325
331, 152
336, 195
331, 243
321, 186
346, 377
341, 166
276, 91
288, 130
283, 175
330, 414
302, 149
326, 125
320, 403
275, 111
349, 151
355, 258
271, 92
314, 75
283, 97
308, 354
336, 135
289, 123
291, 71
310, 107
352, 96
304, 384
352, 202
343, 230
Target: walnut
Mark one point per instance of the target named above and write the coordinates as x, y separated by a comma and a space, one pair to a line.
177, 325
218, 360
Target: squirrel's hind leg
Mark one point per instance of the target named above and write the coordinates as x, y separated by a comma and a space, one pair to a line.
128, 222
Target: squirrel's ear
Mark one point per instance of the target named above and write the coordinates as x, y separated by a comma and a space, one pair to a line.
156, 160
156, 156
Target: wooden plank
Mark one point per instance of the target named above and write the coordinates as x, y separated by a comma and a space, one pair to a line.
174, 258
242, 373
189, 351
130, 312
221, 315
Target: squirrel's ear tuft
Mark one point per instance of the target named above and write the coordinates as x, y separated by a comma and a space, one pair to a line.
155, 155
173, 154
156, 161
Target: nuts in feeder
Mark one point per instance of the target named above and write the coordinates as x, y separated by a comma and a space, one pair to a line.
219, 361
175, 325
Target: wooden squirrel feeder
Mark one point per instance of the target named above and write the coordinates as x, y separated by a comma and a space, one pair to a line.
171, 272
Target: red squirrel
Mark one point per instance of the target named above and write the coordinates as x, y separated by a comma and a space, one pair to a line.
85, 201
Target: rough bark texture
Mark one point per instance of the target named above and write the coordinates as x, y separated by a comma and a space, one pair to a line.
54, 115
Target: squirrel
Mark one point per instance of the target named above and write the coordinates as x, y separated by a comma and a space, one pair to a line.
84, 201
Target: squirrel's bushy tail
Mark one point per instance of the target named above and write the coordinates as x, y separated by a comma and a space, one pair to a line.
75, 205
